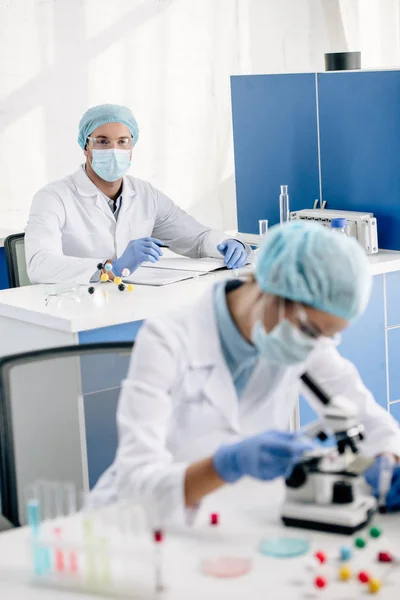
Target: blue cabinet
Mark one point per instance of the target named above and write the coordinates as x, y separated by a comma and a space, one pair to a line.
276, 143
364, 344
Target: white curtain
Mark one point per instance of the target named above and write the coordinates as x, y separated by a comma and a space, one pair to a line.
170, 61
373, 26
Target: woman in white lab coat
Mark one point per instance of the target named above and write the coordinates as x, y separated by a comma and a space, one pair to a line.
100, 214
206, 385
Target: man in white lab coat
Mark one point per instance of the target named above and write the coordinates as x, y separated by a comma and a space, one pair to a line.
100, 215
206, 385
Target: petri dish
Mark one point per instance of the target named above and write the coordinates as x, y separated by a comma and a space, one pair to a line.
226, 567
282, 547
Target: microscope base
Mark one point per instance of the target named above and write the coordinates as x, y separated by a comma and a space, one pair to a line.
334, 518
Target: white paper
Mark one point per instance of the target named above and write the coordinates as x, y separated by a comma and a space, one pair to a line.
170, 260
157, 276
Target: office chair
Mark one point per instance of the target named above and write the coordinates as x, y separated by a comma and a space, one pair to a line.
14, 246
57, 418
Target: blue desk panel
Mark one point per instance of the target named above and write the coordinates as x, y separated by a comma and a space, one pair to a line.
3, 270
364, 344
101, 393
126, 332
360, 146
101, 431
275, 140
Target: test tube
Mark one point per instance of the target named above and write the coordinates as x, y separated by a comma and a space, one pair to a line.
284, 204
263, 227
46, 495
385, 480
88, 538
33, 517
104, 556
71, 505
158, 538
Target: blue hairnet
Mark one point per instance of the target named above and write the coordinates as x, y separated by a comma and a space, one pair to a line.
106, 113
308, 263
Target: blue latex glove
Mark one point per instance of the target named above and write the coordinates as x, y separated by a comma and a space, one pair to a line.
265, 456
372, 477
234, 253
137, 252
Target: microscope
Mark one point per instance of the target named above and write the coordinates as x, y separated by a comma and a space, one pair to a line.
325, 490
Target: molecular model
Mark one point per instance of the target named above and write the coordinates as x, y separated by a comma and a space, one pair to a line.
346, 573
105, 276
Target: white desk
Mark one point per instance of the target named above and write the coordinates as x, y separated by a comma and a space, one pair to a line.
249, 511
27, 323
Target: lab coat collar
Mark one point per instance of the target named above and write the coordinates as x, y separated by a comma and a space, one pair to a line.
219, 387
86, 187
204, 331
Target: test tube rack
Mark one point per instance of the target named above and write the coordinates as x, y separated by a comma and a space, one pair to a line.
110, 551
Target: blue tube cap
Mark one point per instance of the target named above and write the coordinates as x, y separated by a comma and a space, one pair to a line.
338, 223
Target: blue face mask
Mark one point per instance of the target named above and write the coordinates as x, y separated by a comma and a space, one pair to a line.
111, 164
284, 345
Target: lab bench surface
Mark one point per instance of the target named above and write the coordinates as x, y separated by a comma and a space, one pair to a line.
248, 513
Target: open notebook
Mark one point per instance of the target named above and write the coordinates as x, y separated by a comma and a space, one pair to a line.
172, 268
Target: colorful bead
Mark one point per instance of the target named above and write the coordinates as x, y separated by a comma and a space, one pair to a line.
374, 585
91, 290
125, 272
363, 577
104, 277
321, 557
320, 582
214, 519
345, 573
385, 557
100, 266
117, 280
346, 553
360, 542
129, 287
375, 532
121, 287
108, 267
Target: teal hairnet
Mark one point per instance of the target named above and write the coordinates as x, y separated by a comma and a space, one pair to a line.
106, 113
309, 263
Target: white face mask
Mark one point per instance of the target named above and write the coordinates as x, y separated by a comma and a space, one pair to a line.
285, 344
111, 164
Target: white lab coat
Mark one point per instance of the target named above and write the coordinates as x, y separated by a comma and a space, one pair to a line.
179, 404
71, 228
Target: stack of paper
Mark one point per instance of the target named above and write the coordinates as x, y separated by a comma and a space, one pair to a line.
172, 268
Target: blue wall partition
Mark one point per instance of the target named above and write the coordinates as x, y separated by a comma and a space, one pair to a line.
360, 146
276, 142
3, 270
277, 139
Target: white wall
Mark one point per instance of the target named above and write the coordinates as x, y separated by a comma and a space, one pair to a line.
169, 60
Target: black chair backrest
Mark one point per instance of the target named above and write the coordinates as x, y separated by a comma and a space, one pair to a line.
14, 246
57, 418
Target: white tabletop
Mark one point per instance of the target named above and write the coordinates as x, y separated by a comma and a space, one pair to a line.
28, 303
249, 512
4, 233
